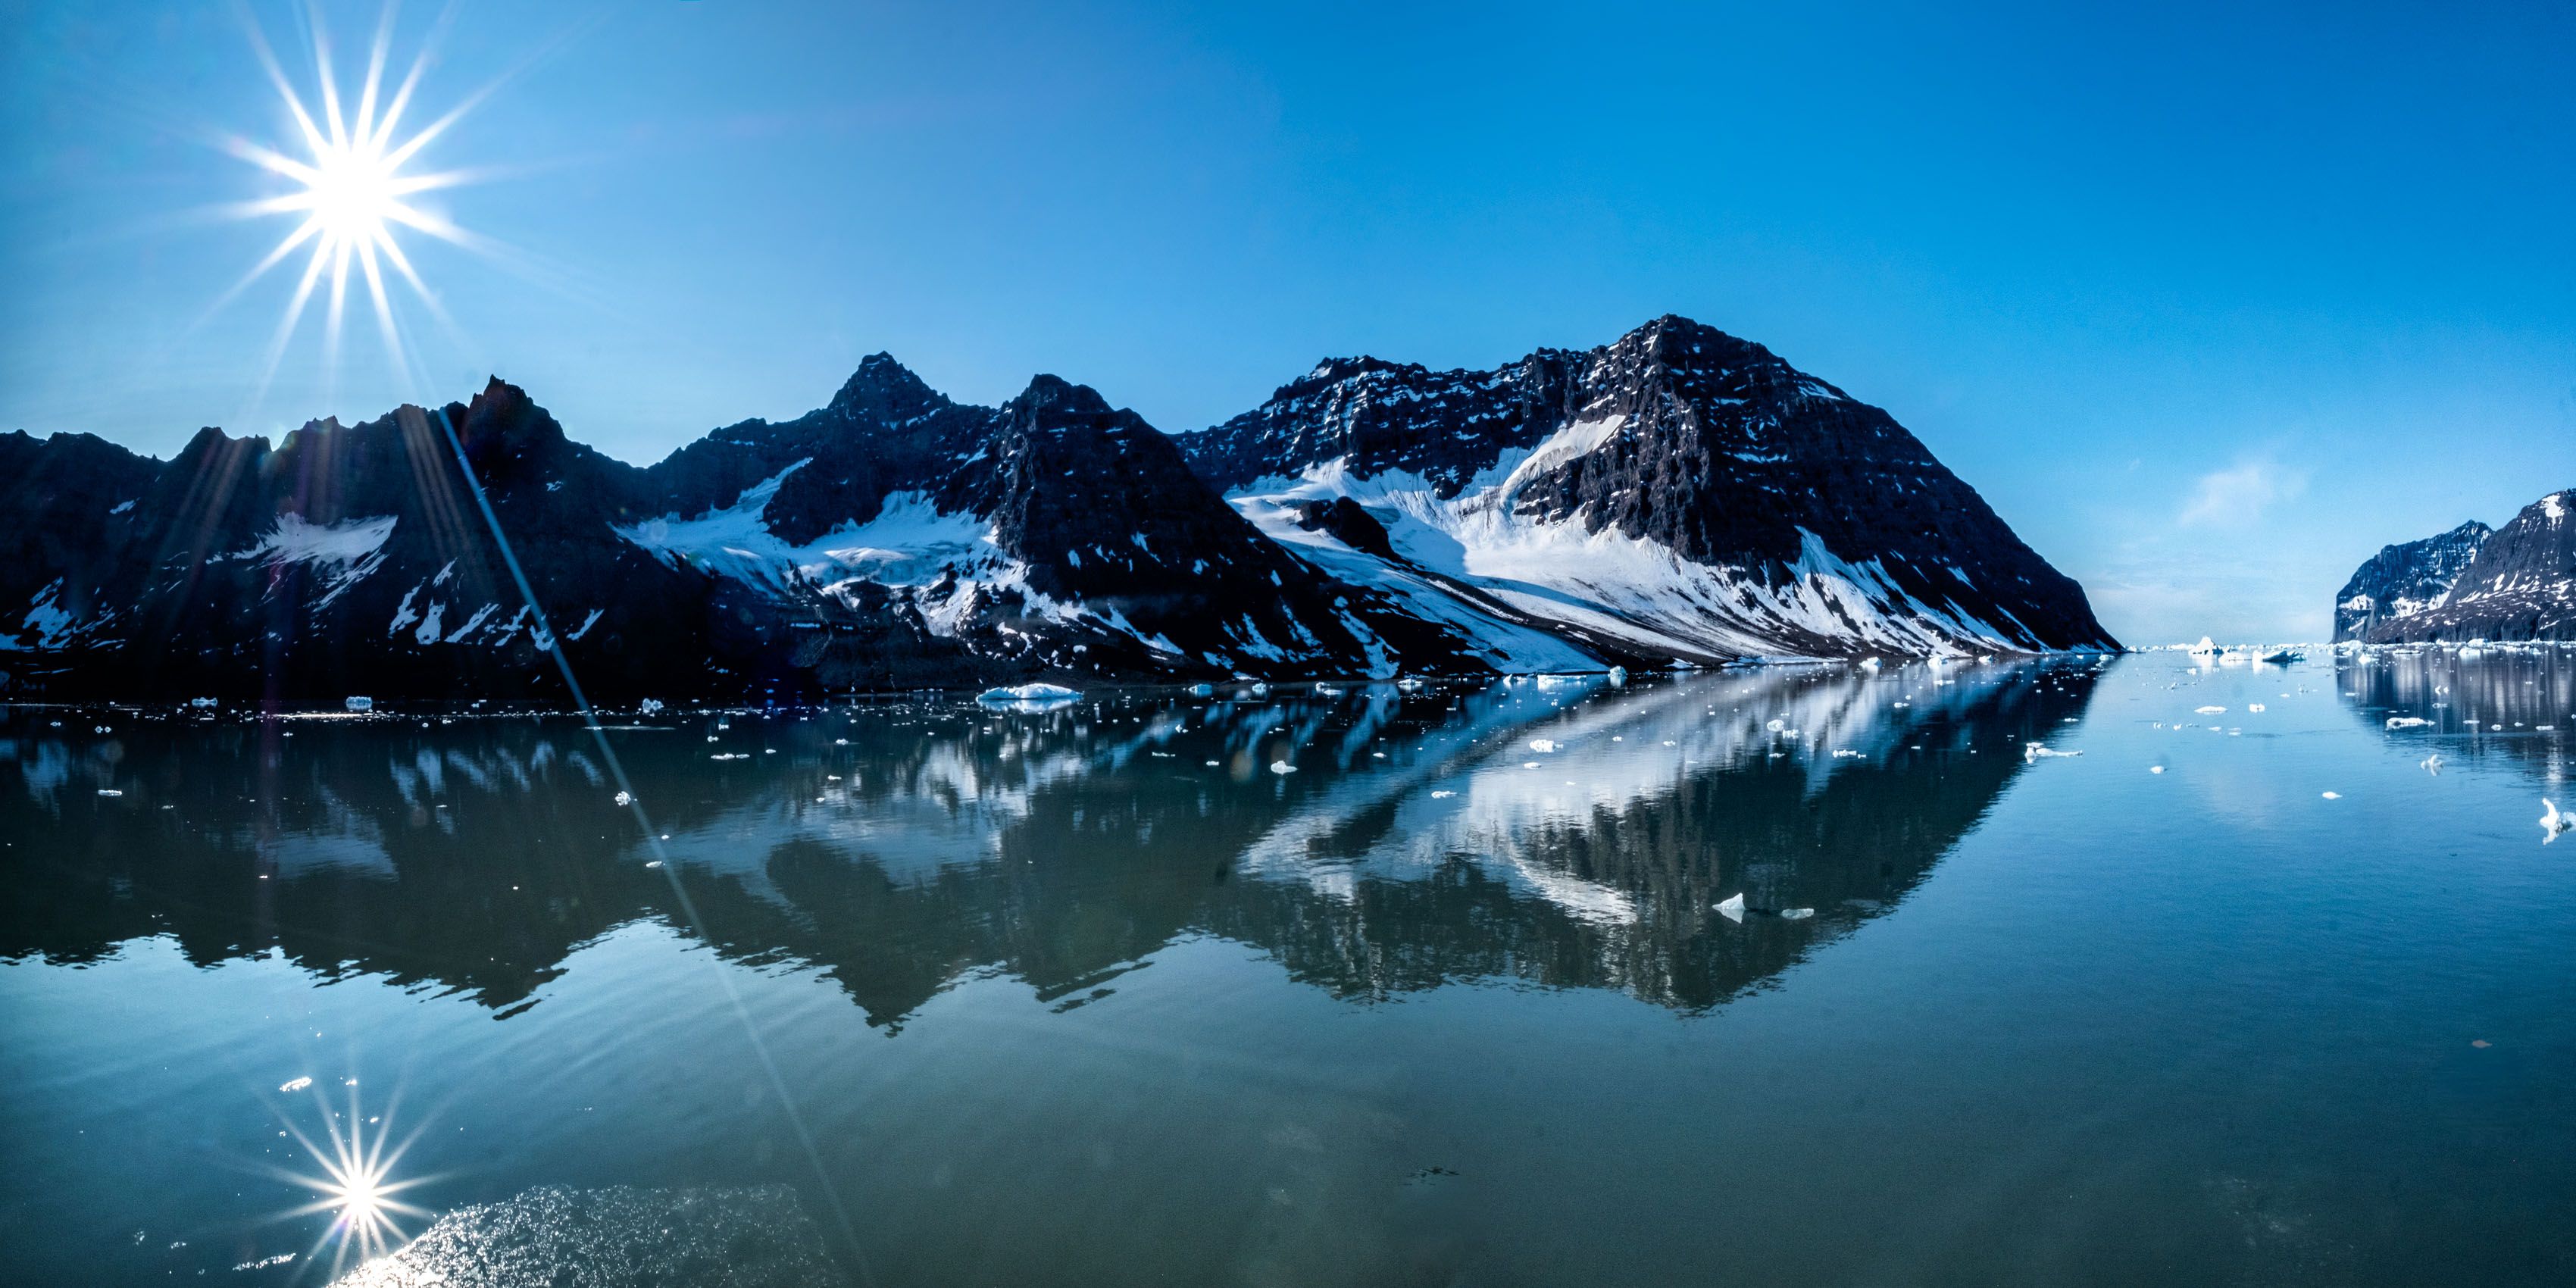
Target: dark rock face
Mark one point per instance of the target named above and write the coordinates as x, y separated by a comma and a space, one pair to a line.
2403, 580
1751, 508
891, 539
2521, 585
1677, 495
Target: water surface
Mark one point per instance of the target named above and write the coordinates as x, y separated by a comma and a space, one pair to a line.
1095, 995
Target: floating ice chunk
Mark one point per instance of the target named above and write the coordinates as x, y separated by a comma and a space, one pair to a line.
1261, 690
1542, 744
2432, 764
356, 702
294, 1084
2031, 751
1442, 795
2407, 722
1327, 691
2253, 706
1529, 764
648, 707
109, 791
2332, 796
1869, 664
1202, 690
1731, 907
2210, 711
1027, 697
1282, 767
1211, 764
2155, 769
626, 798
1841, 753
2552, 822
1796, 914
1776, 726
1618, 676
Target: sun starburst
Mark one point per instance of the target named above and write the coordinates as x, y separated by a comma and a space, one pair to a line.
350, 176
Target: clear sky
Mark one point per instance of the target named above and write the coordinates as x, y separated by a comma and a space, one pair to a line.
2209, 302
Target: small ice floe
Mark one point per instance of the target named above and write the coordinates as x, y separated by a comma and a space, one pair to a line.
1211, 764
1327, 691
1026, 697
1377, 755
654, 863
2552, 822
1776, 726
2155, 769
1442, 795
626, 798
1529, 764
294, 1084
2332, 796
2253, 706
1542, 744
1846, 753
1731, 907
1618, 677
109, 791
2431, 764
2210, 711
1260, 690
2031, 751
731, 755
1202, 690
1796, 914
1869, 664
355, 702
1282, 767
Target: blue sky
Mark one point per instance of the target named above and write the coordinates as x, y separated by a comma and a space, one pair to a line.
2210, 303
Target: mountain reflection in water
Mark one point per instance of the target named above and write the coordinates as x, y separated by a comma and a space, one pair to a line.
901, 846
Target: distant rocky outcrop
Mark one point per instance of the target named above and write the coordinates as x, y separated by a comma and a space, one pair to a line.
2521, 585
2403, 580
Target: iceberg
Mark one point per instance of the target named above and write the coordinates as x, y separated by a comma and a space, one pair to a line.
1027, 697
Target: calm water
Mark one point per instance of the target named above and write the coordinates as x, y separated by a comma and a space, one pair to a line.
1095, 996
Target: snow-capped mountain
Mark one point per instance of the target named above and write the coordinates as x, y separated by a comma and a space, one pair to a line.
2403, 580
1679, 494
2521, 584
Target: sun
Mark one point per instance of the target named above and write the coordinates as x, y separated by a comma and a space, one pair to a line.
348, 178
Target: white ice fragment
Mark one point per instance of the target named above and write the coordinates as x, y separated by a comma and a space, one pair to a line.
2407, 722
2155, 769
2333, 796
2253, 706
1796, 914
1024, 697
2210, 711
294, 1084
1776, 726
109, 791
1442, 795
1542, 744
1732, 907
1202, 690
1282, 767
2031, 751
650, 706
357, 702
2432, 764
626, 798
2552, 822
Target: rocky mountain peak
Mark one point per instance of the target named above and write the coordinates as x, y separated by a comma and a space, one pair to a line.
885, 392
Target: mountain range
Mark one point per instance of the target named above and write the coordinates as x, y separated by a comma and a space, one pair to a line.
2517, 582
1676, 497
